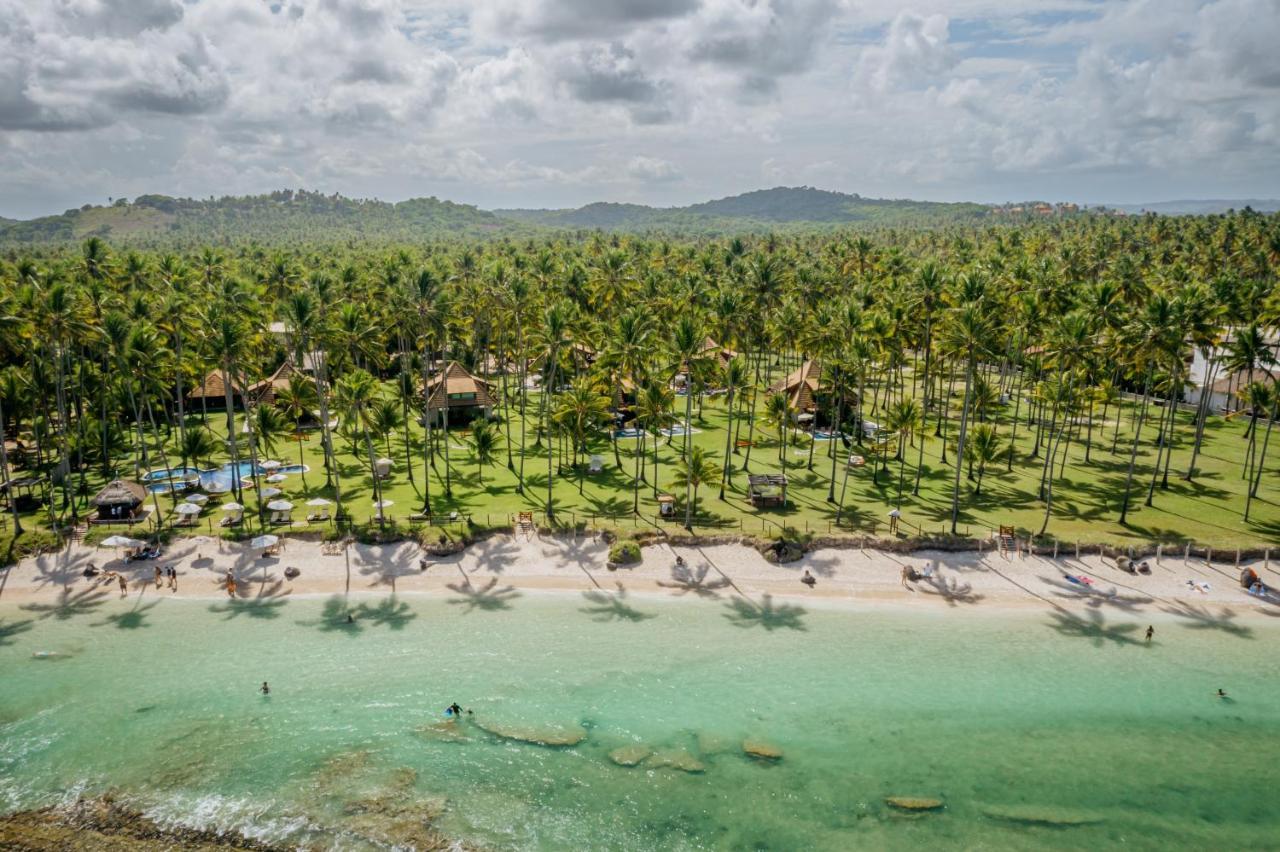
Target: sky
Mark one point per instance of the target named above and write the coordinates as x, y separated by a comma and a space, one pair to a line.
552, 103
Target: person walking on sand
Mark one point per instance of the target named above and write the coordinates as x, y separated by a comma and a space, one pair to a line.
173, 579
231, 584
1151, 631
894, 515
159, 577
124, 585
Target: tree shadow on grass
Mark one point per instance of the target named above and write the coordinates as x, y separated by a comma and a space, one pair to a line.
686, 580
10, 629
1093, 627
607, 606
70, 604
1202, 618
745, 613
388, 612
488, 597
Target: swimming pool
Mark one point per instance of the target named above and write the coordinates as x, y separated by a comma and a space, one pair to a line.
217, 479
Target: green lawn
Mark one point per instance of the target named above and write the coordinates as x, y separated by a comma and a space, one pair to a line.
1086, 500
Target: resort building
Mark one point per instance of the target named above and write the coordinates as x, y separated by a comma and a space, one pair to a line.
211, 392
120, 500
801, 387
456, 390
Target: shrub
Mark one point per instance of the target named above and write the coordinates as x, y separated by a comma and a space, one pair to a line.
624, 553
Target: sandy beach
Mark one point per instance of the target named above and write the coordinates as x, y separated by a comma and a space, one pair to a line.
505, 565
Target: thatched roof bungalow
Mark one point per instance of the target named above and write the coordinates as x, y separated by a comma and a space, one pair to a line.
463, 394
801, 387
119, 500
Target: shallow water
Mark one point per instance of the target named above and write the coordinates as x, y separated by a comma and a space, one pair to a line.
1070, 720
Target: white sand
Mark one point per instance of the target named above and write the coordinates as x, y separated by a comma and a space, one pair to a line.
568, 565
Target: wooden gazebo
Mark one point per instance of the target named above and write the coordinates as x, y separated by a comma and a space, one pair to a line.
767, 490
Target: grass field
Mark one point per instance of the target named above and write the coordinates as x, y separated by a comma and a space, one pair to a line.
1207, 512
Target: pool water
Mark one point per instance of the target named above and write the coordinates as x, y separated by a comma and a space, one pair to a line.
1036, 731
215, 479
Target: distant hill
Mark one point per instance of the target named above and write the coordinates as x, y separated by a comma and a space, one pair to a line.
277, 217
759, 210
1201, 207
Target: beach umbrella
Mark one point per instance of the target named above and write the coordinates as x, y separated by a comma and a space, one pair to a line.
121, 541
187, 509
232, 507
270, 465
319, 501
280, 505
383, 504
277, 477
264, 541
198, 499
217, 487
268, 493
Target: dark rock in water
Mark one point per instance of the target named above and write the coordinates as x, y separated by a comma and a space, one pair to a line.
914, 803
630, 755
761, 750
448, 731
544, 735
92, 825
675, 759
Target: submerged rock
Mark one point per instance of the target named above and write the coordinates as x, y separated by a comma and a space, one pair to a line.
448, 731
630, 755
713, 743
549, 735
1041, 815
761, 750
675, 759
914, 803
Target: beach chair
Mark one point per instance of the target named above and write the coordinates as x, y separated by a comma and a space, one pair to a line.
597, 464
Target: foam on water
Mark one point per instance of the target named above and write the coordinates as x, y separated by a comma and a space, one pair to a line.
1035, 729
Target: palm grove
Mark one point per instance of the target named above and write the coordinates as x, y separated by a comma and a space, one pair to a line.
1041, 354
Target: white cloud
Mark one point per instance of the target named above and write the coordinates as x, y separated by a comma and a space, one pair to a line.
652, 169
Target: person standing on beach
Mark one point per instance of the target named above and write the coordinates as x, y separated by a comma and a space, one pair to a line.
124, 585
173, 579
159, 577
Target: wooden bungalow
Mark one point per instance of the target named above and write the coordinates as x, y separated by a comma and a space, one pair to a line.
767, 490
211, 392
801, 387
721, 354
264, 392
120, 500
465, 395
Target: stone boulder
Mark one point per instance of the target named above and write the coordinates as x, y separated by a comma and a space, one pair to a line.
555, 736
761, 750
914, 803
630, 755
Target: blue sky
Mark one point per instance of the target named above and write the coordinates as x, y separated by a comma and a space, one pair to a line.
542, 103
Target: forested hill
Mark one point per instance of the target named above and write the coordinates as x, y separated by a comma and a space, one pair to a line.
763, 209
283, 216
300, 216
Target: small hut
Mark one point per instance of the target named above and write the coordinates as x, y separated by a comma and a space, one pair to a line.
767, 490
264, 392
465, 395
120, 500
24, 492
801, 387
211, 392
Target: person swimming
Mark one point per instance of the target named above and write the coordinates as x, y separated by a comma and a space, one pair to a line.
1222, 694
1151, 631
265, 690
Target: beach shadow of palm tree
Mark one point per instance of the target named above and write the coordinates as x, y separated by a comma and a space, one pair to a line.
131, 620
70, 604
388, 612
607, 606
1097, 598
1202, 618
952, 591
486, 597
12, 629
745, 613
266, 605
334, 618
686, 580
1094, 627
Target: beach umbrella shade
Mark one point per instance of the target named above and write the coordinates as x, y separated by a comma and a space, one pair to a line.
265, 541
280, 505
198, 499
187, 509
319, 501
277, 477
268, 493
232, 507
121, 541
270, 465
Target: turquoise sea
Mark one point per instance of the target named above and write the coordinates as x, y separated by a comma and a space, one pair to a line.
1037, 729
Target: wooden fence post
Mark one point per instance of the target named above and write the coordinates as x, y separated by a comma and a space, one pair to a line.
1237, 557
1077, 549
1208, 555
1186, 553
1055, 548
1159, 551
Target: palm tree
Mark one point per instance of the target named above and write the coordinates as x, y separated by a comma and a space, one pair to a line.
654, 406
356, 394
296, 400
778, 411
967, 333
735, 377
484, 440
1153, 335
691, 473
983, 448
198, 445
904, 417
554, 337
580, 412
